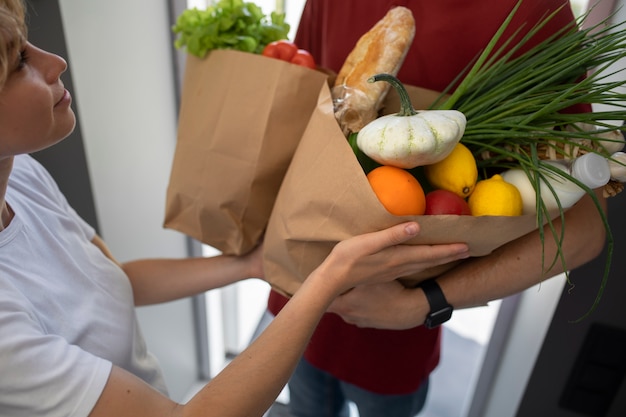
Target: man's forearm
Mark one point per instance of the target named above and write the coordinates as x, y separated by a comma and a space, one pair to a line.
525, 262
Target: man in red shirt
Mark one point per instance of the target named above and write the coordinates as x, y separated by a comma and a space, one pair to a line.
373, 349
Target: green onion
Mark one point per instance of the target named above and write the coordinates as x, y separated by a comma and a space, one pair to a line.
514, 106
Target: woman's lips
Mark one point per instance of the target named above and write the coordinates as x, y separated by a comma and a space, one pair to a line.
66, 99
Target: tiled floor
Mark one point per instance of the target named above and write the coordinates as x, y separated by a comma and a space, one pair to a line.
279, 410
452, 381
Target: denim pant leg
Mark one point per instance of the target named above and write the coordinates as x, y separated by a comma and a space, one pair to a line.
371, 404
315, 393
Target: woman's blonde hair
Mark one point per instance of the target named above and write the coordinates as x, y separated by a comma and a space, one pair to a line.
12, 34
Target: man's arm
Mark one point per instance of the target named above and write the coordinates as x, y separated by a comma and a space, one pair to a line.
508, 270
519, 264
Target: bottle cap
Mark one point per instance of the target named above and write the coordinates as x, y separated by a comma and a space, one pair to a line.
592, 170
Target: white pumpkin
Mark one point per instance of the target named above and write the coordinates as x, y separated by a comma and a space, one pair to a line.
411, 141
410, 138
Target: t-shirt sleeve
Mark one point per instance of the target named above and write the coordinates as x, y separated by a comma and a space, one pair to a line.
42, 374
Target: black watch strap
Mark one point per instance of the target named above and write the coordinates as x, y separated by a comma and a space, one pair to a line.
440, 309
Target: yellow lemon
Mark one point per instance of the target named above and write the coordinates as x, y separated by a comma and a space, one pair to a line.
457, 172
495, 197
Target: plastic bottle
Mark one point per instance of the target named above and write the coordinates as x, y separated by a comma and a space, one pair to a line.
590, 169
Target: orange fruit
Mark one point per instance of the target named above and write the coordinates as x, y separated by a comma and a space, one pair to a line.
398, 191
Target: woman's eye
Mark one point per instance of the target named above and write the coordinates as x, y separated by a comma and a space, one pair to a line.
22, 59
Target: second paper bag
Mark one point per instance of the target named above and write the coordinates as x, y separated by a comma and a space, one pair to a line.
242, 116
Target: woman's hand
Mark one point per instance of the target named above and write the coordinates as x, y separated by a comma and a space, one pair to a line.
254, 261
381, 256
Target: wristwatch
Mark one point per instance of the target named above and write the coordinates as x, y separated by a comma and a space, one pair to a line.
440, 309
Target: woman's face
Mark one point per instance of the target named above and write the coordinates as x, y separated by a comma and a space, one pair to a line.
35, 110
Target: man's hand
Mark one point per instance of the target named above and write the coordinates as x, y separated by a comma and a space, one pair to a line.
384, 306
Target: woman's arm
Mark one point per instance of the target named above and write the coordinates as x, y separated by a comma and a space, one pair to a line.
161, 280
251, 382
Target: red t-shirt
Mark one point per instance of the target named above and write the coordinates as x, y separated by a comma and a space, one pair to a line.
449, 35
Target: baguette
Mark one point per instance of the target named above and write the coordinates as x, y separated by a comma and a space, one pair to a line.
381, 50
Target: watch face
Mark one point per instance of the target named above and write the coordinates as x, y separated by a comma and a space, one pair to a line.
439, 317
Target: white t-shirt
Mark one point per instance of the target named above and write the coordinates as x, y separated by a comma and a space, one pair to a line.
66, 310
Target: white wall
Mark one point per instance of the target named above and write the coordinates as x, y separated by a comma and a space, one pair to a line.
121, 66
121, 63
515, 345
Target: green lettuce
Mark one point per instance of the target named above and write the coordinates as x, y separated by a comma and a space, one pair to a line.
229, 24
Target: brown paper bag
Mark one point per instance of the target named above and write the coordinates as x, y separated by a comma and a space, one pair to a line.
241, 118
325, 198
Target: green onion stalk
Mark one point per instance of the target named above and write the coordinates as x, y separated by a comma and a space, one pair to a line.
519, 106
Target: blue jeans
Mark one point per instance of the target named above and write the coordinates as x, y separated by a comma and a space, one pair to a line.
315, 393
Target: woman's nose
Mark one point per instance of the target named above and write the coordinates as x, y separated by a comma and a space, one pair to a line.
51, 65
58, 66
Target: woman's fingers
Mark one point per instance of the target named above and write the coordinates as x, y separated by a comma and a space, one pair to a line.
382, 256
376, 241
428, 256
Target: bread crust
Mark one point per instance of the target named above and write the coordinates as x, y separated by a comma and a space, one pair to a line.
380, 50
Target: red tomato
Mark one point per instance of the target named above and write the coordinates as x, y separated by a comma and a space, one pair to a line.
304, 58
446, 202
282, 49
